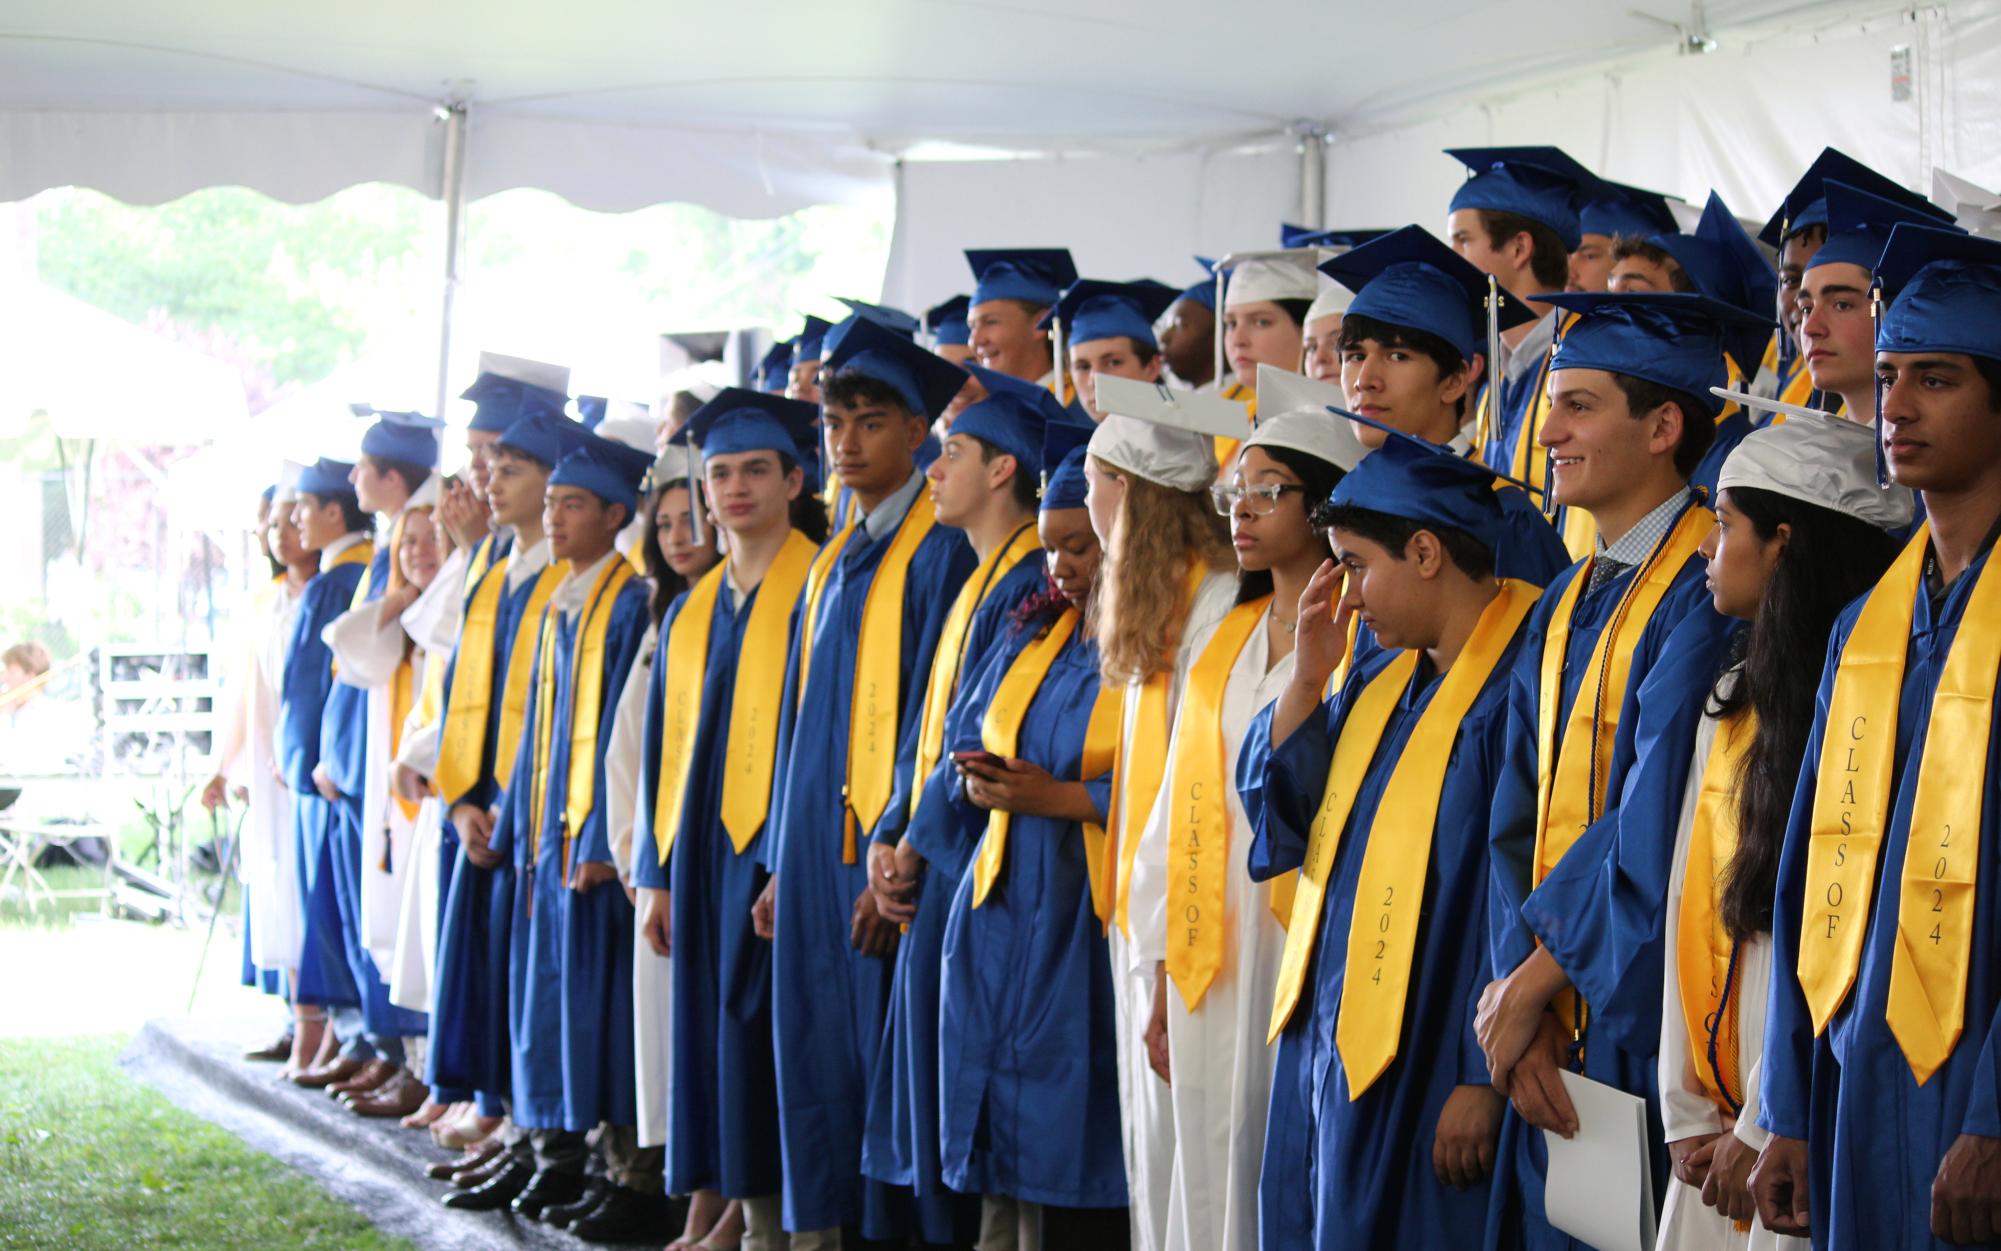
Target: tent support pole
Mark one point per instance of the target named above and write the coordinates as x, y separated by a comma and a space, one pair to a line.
452, 191
1312, 148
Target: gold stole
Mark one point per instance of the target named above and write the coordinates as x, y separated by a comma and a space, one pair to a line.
1798, 389
402, 696
1139, 765
1226, 447
1382, 932
362, 553
1101, 754
462, 742
759, 687
1000, 733
1704, 950
1571, 774
480, 561
1360, 734
395, 566
586, 695
950, 657
877, 695
1199, 823
1851, 808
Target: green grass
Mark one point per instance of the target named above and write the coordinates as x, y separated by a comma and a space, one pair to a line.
91, 1159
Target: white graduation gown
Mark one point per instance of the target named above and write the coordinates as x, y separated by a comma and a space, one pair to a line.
652, 1021
409, 974
1686, 1110
1146, 1114
249, 752
1221, 1065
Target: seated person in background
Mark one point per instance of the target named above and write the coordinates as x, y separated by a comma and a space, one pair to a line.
39, 733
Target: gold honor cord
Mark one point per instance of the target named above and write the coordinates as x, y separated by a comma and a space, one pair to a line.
1000, 733
950, 656
1704, 949
1382, 932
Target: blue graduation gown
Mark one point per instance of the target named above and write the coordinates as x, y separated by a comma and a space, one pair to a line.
1876, 1137
1357, 1174
270, 981
324, 976
828, 1000
722, 1092
1600, 910
1029, 1100
468, 1038
901, 1142
1729, 433
570, 954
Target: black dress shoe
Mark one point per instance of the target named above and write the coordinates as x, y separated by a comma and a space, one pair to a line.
625, 1216
560, 1215
494, 1193
548, 1190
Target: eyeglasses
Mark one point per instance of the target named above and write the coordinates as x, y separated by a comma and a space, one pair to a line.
1261, 500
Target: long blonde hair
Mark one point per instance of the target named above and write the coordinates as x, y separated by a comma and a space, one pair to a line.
1137, 612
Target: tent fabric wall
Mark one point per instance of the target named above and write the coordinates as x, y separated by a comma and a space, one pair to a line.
1121, 217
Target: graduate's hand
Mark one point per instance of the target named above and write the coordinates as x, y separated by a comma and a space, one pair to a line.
764, 912
240, 793
895, 892
1156, 1027
1727, 1188
466, 518
1511, 1011
474, 825
1690, 1157
1966, 1195
1534, 1085
1322, 641
394, 603
1469, 1126
407, 782
323, 783
654, 919
1013, 786
872, 933
592, 874
1779, 1186
215, 794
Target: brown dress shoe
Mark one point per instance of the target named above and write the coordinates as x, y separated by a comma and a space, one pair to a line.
279, 1048
472, 1159
372, 1074
401, 1095
339, 1070
479, 1175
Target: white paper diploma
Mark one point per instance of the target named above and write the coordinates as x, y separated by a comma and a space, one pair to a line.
1600, 1189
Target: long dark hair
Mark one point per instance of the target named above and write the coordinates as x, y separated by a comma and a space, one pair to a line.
667, 584
1829, 559
1319, 478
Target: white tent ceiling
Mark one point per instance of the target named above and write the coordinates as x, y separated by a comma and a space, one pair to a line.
754, 109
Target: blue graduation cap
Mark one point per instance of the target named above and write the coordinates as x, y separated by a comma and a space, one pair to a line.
1723, 261
1542, 184
1066, 485
1203, 292
611, 471
1675, 339
926, 381
1092, 310
327, 479
1859, 224
1018, 423
808, 346
1805, 206
1408, 278
1629, 211
591, 410
774, 369
738, 420
1943, 293
883, 315
1036, 275
500, 402
947, 322
1291, 236
544, 437
411, 437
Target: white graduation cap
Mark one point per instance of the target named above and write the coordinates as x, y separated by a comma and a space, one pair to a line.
1820, 459
534, 373
1333, 301
1292, 412
1286, 274
288, 482
1164, 434
672, 465
630, 423
1976, 209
